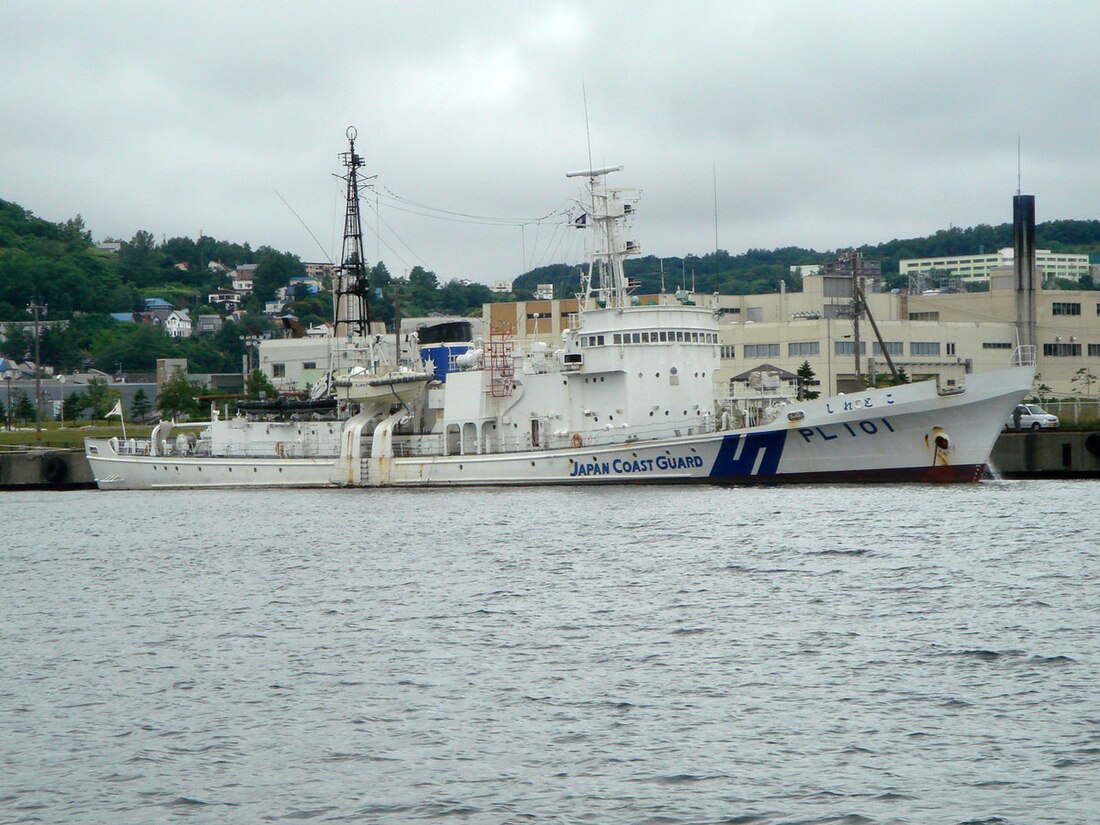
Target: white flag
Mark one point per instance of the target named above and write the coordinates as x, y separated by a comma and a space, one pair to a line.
115, 410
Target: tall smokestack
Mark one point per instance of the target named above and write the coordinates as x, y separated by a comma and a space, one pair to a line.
1023, 241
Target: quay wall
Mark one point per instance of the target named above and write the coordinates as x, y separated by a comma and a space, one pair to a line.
38, 468
1048, 454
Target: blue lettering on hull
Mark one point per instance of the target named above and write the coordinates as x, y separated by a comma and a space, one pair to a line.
748, 455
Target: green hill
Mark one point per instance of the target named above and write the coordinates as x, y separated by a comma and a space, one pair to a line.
761, 270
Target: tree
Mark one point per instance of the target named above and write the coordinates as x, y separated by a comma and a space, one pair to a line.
74, 406
21, 407
807, 378
901, 378
1083, 380
176, 397
259, 385
139, 260
100, 397
274, 269
140, 406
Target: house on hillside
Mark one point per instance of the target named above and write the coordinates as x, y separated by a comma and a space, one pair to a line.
243, 276
175, 323
311, 285
225, 298
208, 324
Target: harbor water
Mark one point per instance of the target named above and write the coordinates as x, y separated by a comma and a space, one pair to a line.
608, 655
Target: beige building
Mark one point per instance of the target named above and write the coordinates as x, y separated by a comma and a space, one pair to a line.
943, 336
977, 268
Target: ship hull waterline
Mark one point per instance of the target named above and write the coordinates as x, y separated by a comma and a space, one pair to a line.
925, 437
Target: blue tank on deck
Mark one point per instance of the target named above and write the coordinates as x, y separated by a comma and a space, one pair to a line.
441, 343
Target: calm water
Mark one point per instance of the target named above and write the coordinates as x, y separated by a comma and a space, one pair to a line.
657, 655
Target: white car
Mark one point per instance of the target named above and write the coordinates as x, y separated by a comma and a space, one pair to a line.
1031, 417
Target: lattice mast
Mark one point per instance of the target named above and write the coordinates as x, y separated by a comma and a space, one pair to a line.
606, 214
352, 280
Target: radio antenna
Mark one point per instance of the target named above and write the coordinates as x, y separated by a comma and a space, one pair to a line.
587, 130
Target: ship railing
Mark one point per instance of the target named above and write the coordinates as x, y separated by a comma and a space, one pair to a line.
1024, 355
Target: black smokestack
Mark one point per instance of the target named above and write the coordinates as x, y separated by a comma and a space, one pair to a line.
1023, 241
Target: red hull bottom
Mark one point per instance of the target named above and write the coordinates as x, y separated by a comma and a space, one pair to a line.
944, 474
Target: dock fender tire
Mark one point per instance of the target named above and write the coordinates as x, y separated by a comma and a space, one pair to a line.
1092, 443
54, 468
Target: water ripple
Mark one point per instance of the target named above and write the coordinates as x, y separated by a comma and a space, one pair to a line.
661, 655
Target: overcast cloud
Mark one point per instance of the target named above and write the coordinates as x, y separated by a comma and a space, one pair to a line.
824, 124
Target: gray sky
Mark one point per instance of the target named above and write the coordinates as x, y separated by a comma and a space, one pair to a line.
824, 124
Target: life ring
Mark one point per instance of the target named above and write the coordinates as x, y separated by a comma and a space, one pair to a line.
578, 440
54, 469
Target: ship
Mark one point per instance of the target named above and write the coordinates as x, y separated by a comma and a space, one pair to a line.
628, 395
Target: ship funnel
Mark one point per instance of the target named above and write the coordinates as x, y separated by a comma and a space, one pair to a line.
1023, 232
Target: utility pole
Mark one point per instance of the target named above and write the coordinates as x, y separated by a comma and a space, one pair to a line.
857, 307
35, 308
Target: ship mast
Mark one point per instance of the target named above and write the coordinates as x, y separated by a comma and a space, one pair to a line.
605, 213
352, 285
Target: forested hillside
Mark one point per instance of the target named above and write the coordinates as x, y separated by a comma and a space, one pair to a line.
761, 270
58, 265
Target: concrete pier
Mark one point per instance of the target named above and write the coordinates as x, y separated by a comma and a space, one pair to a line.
43, 469
1048, 454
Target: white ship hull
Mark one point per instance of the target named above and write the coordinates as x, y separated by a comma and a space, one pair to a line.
909, 433
113, 471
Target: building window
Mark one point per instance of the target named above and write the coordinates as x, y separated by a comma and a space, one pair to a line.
950, 349
801, 349
761, 350
924, 348
755, 314
1094, 350
737, 310
278, 370
996, 345
849, 348
309, 365
892, 347
1062, 350
924, 316
1065, 308
728, 351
